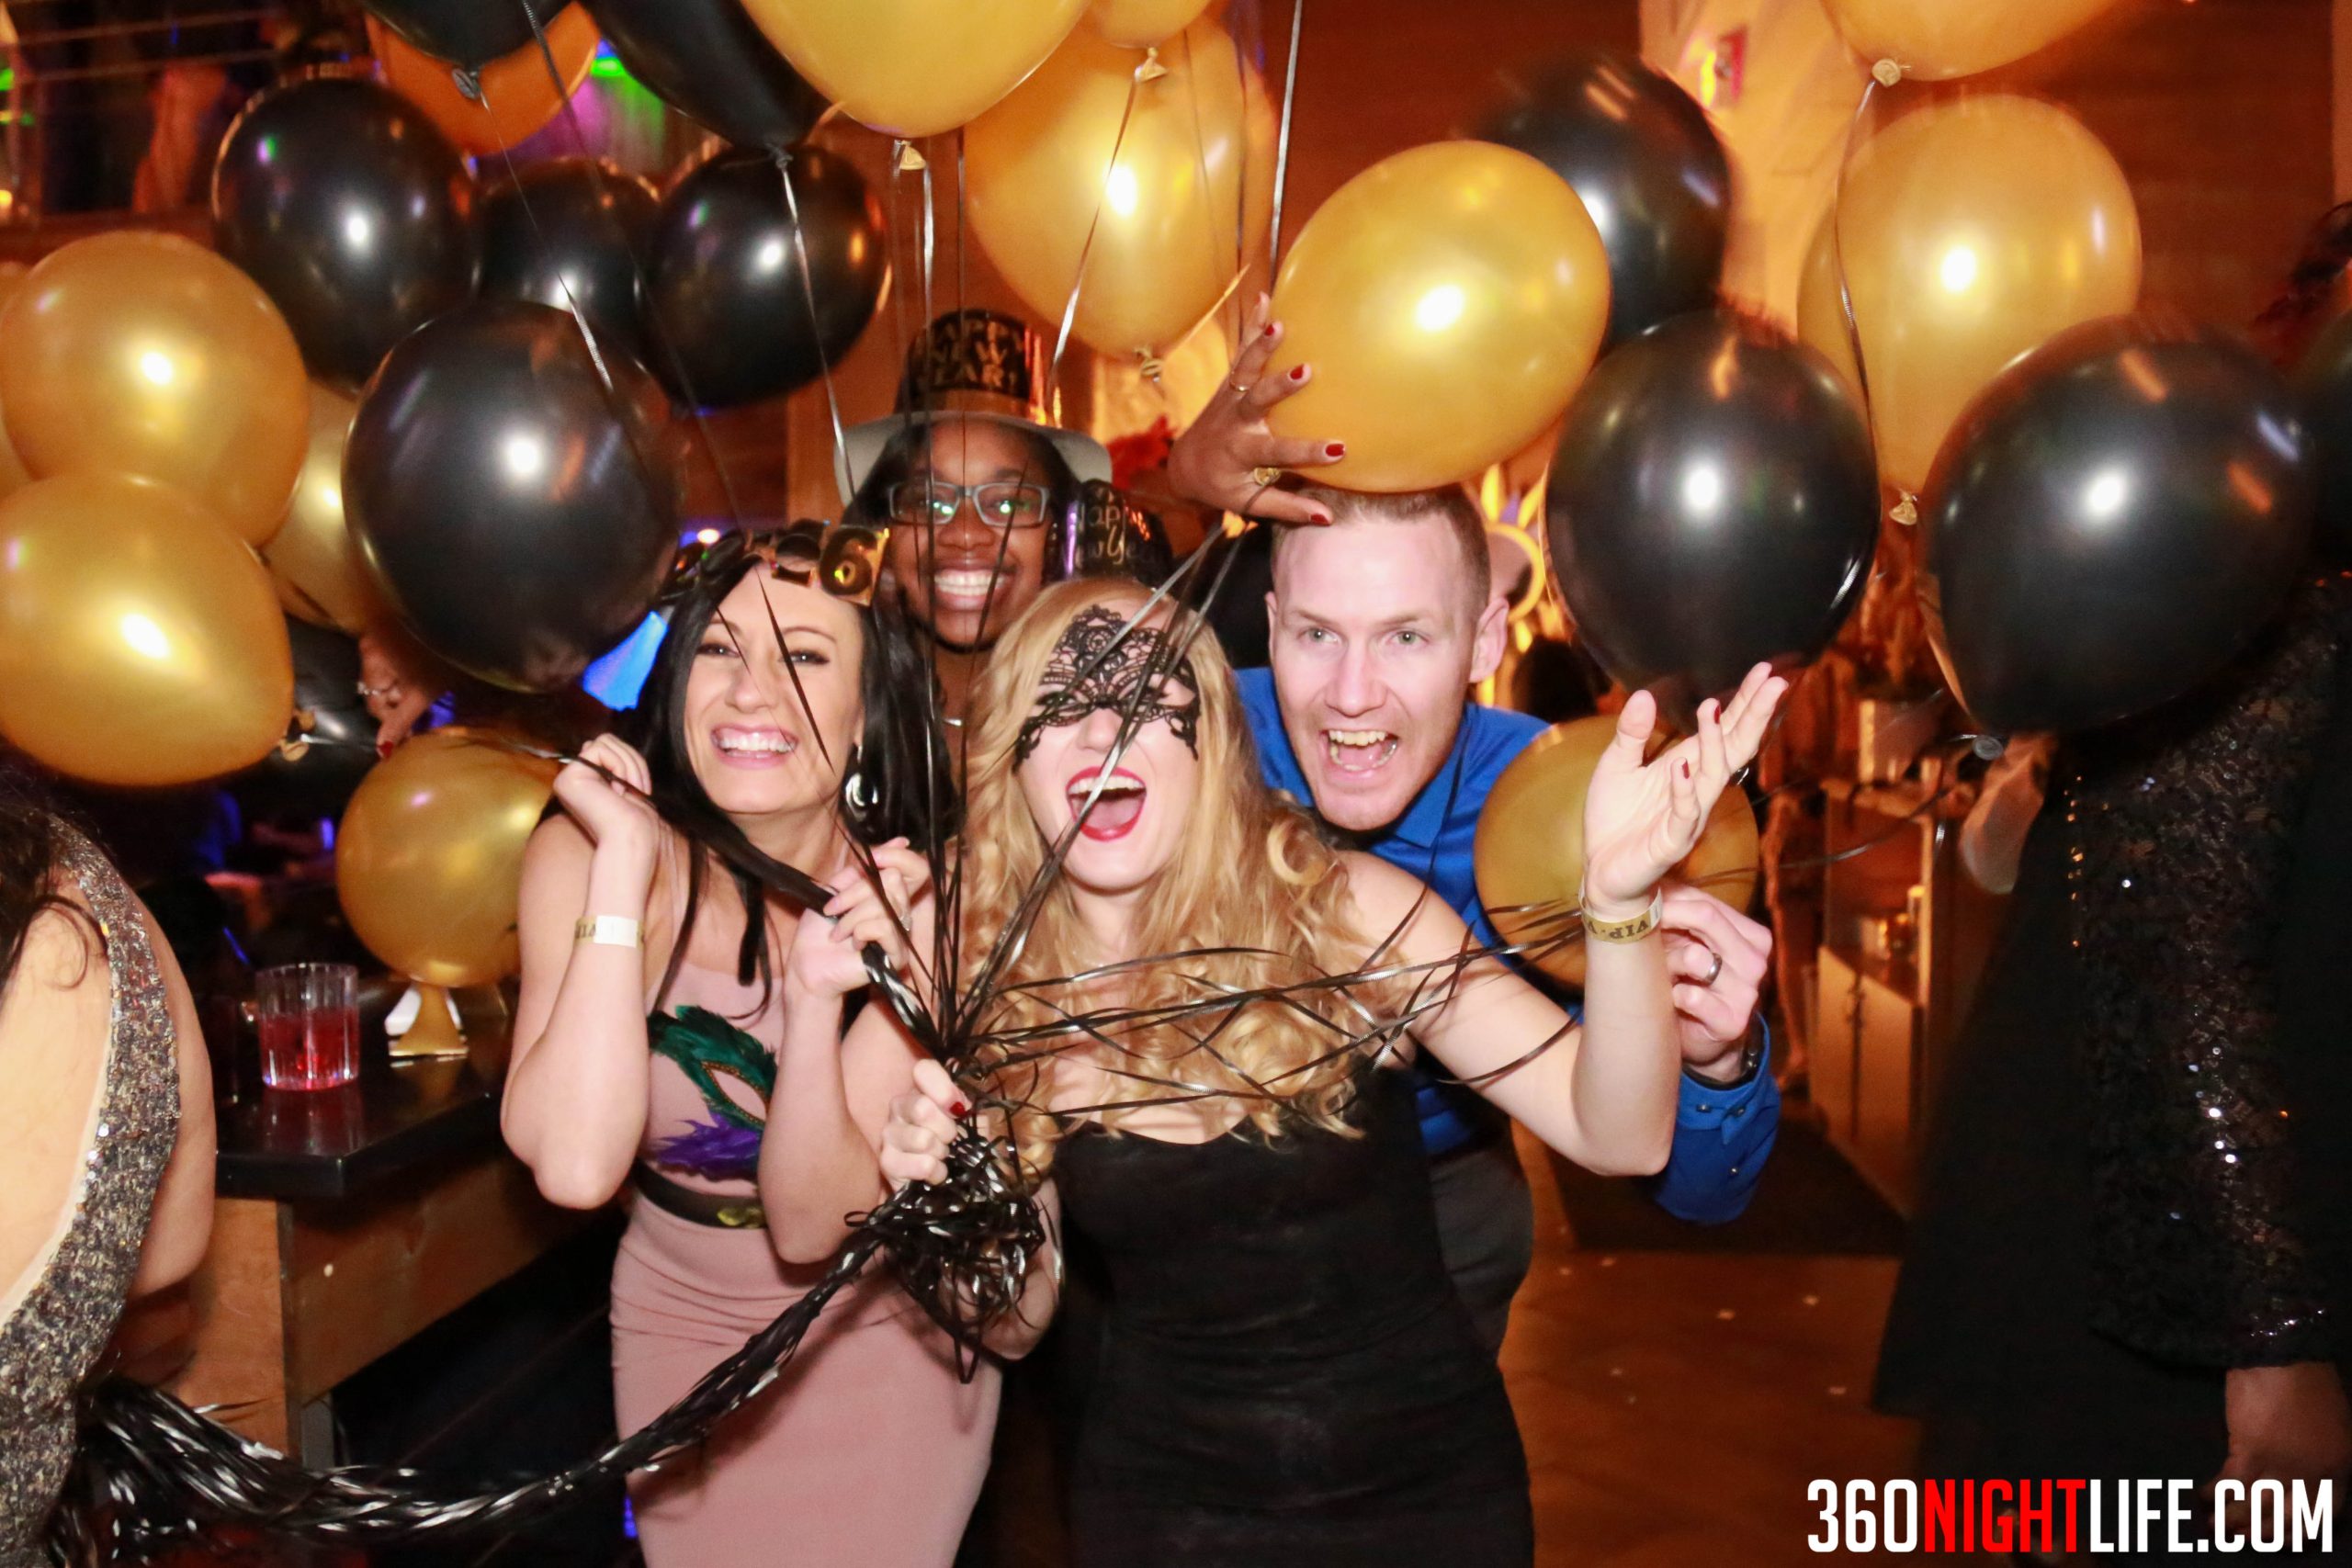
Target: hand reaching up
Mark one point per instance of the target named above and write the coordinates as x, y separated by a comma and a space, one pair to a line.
1640, 819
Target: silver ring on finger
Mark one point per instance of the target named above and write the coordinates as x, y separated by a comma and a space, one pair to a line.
1714, 971
1239, 389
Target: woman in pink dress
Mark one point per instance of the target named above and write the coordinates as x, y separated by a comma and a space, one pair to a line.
786, 718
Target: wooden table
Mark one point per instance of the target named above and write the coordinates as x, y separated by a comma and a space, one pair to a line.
349, 1220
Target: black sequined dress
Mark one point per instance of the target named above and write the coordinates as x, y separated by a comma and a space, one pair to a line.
2140, 1173
1287, 1377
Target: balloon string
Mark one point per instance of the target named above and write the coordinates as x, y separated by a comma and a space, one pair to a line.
898, 291
1086, 248
816, 330
1201, 154
962, 221
506, 156
1241, 81
1838, 260
1282, 140
930, 246
655, 329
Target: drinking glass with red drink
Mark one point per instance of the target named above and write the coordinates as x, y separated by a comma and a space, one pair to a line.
309, 1018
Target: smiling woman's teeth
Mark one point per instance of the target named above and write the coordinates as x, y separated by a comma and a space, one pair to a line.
769, 745
962, 584
1358, 748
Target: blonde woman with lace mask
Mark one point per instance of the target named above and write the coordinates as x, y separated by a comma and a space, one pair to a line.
1288, 1377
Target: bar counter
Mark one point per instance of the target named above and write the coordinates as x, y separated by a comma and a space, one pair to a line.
350, 1220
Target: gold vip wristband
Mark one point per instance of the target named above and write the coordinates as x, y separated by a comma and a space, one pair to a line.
1635, 929
609, 930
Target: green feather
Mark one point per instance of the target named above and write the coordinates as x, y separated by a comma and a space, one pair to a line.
703, 1045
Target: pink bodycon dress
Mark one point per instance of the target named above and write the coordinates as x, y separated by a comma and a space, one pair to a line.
868, 1450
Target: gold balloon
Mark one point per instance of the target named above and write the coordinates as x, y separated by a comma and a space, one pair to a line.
14, 475
1450, 298
315, 562
1934, 40
518, 97
1821, 308
139, 642
1140, 24
912, 68
1972, 231
1529, 849
429, 859
1164, 250
146, 354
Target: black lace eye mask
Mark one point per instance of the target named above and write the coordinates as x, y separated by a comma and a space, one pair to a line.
1087, 672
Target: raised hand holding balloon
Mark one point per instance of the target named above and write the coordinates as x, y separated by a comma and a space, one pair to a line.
2111, 521
352, 212
1713, 504
1650, 171
516, 499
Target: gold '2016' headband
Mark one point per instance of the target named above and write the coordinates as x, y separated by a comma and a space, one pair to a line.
843, 558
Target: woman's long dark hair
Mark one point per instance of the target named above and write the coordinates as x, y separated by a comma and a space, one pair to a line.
31, 841
897, 782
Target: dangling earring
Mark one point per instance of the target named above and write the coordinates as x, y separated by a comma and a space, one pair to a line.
861, 795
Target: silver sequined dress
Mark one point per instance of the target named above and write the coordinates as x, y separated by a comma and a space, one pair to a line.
49, 1343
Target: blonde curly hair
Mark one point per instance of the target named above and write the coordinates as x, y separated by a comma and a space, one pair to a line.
1282, 913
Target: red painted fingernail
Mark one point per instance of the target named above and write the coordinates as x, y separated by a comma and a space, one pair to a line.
1270, 329
1686, 770
1336, 449
1323, 519
1298, 372
960, 1110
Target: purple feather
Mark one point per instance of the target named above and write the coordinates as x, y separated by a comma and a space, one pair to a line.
712, 1150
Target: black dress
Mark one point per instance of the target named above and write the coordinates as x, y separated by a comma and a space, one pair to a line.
1287, 1376
2140, 1171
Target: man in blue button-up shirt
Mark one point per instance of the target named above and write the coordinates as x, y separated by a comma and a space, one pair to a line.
1379, 623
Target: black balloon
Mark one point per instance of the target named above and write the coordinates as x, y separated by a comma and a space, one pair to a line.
465, 32
725, 286
519, 512
352, 212
2110, 521
334, 720
569, 232
1653, 177
1713, 503
708, 59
